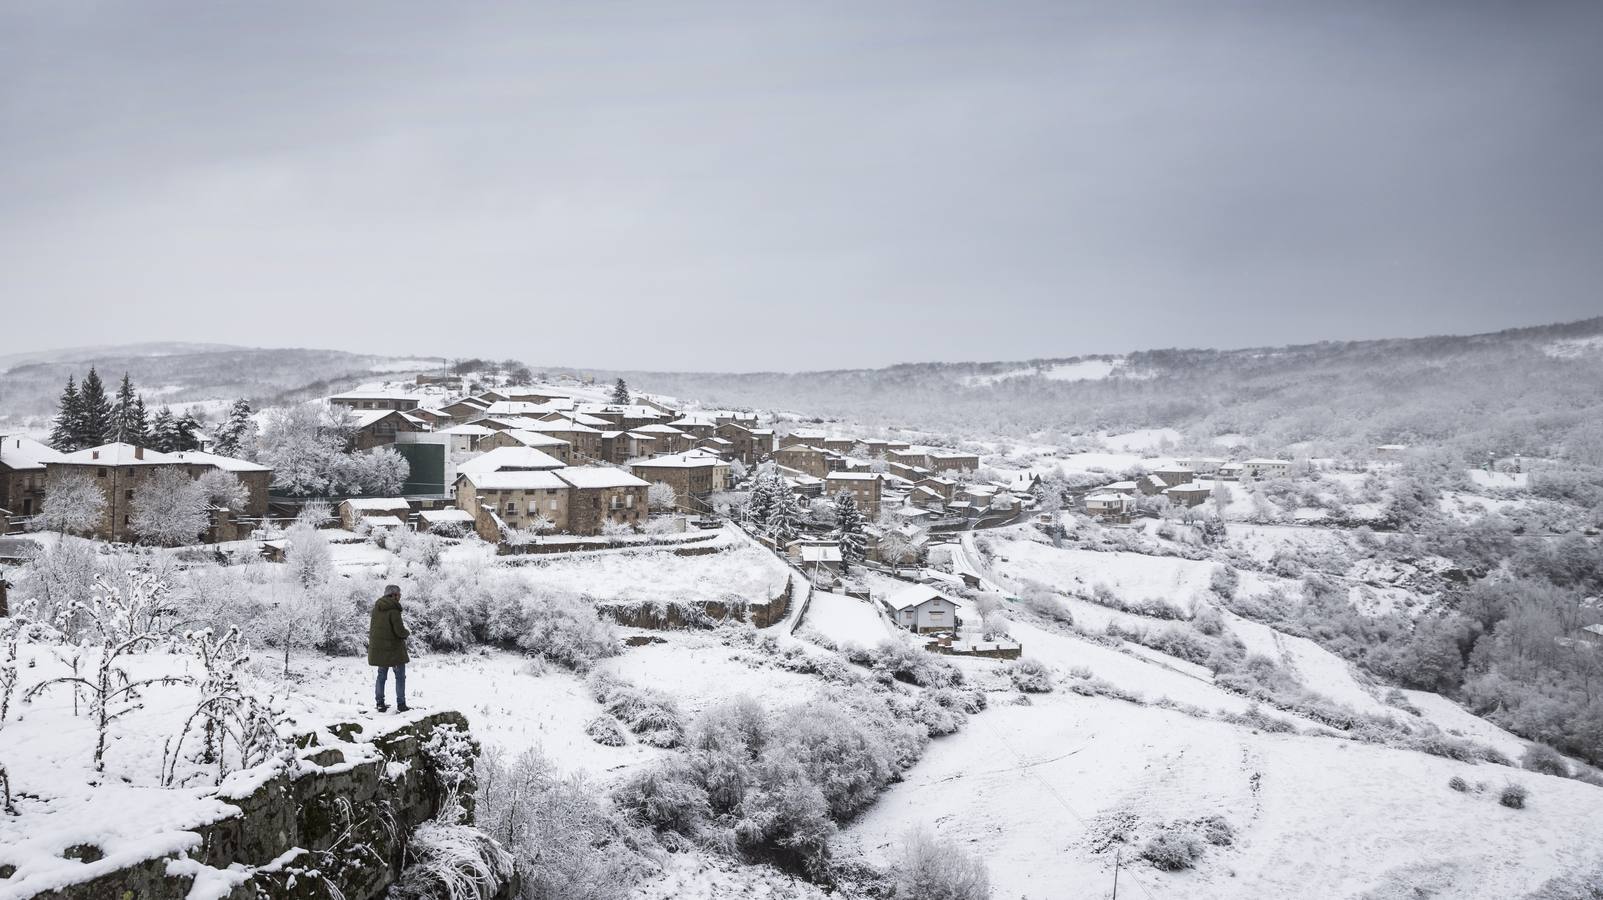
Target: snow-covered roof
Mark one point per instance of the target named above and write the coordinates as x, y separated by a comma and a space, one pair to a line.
377, 504
21, 452
911, 596
718, 440
533, 438
226, 463
521, 408
807, 434
576, 418
1268, 462
1189, 487
694, 421
853, 476
365, 417
376, 395
1122, 486
449, 514
117, 454
938, 480
815, 553
515, 480
510, 458
690, 460
1106, 498
558, 426
478, 430
658, 428
600, 477
954, 454
382, 521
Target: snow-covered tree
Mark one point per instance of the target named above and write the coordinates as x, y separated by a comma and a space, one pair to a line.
311, 562
620, 393
223, 489
67, 429
128, 422
73, 504
96, 408
164, 431
661, 496
761, 502
170, 508
896, 548
236, 435
306, 447
783, 514
849, 529
614, 528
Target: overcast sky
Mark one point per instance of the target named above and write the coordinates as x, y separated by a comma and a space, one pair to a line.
750, 185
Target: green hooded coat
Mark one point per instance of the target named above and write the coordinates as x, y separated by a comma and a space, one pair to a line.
386, 634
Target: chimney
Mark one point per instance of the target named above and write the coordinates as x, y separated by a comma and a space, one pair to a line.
139, 453
94, 454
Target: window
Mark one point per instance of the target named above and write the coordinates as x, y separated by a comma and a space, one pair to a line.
553, 506
100, 473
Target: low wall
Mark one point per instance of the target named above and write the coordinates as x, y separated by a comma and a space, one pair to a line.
335, 827
670, 616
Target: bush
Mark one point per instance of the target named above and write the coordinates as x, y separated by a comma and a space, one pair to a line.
605, 731
1544, 759
1514, 796
904, 662
651, 715
1030, 676
1173, 849
932, 869
1458, 784
1216, 831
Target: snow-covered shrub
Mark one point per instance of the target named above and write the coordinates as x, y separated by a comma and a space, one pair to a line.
566, 842
447, 861
904, 662
1044, 602
170, 508
668, 796
1257, 719
1216, 830
932, 869
1208, 621
614, 529
993, 621
1458, 784
311, 562
652, 715
1173, 849
1224, 581
1514, 796
1100, 687
1030, 676
565, 630
605, 731
1544, 759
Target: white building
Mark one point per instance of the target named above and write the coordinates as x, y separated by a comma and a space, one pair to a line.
920, 608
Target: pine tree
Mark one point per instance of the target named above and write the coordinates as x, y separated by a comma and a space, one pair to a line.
69, 419
620, 393
188, 433
127, 415
141, 424
849, 529
235, 434
97, 425
782, 513
163, 431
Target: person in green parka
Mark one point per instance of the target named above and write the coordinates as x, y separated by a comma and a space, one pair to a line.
386, 646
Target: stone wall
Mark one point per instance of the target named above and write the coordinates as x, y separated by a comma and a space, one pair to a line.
334, 827
701, 613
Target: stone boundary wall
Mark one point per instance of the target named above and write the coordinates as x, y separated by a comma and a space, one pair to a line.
335, 827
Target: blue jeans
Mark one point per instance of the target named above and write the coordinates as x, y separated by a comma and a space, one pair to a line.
400, 685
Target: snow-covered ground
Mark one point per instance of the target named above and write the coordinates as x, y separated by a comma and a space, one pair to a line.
1050, 793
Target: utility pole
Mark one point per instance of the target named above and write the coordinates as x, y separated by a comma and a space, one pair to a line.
1116, 854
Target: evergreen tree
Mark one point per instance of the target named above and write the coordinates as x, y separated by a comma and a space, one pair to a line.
163, 431
782, 514
235, 434
849, 529
69, 419
128, 415
97, 425
188, 430
620, 393
760, 502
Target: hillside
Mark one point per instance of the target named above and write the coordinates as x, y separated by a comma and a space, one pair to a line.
187, 374
1536, 391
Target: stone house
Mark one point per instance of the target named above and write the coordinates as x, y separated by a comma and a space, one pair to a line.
746, 420
865, 487
921, 609
749, 447
909, 457
943, 461
1265, 468
378, 428
519, 459
257, 479
585, 440
842, 446
810, 437
466, 409
669, 439
1173, 475
376, 400
513, 499
691, 475
22, 474
803, 458
119, 470
538, 440
945, 487
697, 427
1190, 494
601, 494
1111, 505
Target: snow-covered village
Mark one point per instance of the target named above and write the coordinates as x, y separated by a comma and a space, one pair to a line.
896, 451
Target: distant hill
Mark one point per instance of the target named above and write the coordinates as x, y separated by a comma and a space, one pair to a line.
1537, 391
185, 374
